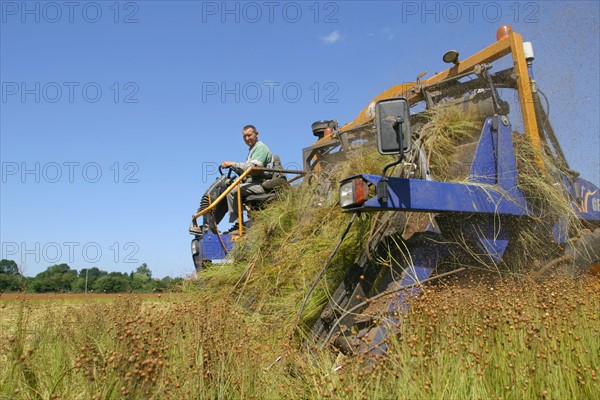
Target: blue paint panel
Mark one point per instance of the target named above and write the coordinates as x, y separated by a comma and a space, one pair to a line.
424, 255
494, 161
493, 164
431, 196
212, 249
587, 203
507, 165
398, 305
490, 237
484, 165
590, 216
560, 231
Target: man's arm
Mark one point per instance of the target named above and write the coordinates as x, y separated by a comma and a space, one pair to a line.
259, 157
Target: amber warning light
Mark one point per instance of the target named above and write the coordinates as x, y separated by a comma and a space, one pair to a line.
353, 193
503, 32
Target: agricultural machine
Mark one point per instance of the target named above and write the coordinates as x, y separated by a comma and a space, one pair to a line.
426, 228
209, 244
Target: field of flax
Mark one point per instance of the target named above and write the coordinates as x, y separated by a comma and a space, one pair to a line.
233, 335
488, 340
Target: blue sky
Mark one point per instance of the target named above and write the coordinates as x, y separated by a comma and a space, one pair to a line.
114, 114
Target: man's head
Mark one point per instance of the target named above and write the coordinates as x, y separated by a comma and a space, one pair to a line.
250, 135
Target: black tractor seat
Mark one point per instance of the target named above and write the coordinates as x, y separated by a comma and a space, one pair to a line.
258, 201
272, 187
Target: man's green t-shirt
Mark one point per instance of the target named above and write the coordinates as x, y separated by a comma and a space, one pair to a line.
258, 156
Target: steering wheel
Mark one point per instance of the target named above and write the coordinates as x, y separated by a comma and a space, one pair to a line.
228, 173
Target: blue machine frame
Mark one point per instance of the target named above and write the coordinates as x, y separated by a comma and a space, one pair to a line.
491, 188
490, 195
213, 248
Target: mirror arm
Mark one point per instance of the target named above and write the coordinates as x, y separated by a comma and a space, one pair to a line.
398, 161
399, 137
382, 184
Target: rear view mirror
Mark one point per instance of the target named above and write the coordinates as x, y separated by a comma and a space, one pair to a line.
392, 119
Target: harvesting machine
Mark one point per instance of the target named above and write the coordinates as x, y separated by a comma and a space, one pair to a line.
426, 228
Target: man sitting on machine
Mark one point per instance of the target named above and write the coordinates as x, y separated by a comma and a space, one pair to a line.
259, 155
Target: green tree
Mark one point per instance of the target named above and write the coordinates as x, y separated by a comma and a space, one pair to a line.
114, 282
10, 278
141, 279
57, 278
9, 267
144, 270
139, 282
168, 284
91, 274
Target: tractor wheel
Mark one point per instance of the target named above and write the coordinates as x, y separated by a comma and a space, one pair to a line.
584, 254
197, 254
581, 256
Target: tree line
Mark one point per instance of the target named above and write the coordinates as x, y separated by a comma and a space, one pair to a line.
61, 278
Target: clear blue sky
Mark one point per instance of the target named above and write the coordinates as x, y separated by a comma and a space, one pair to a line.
115, 114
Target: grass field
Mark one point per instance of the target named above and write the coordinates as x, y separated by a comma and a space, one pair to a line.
507, 340
232, 334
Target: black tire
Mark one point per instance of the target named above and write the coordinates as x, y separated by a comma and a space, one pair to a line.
213, 218
197, 254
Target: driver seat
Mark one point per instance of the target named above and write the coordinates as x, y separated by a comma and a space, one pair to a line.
273, 183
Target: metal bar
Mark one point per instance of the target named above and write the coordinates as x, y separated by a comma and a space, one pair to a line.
237, 182
546, 127
431, 196
525, 93
283, 171
239, 206
294, 179
491, 53
507, 165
